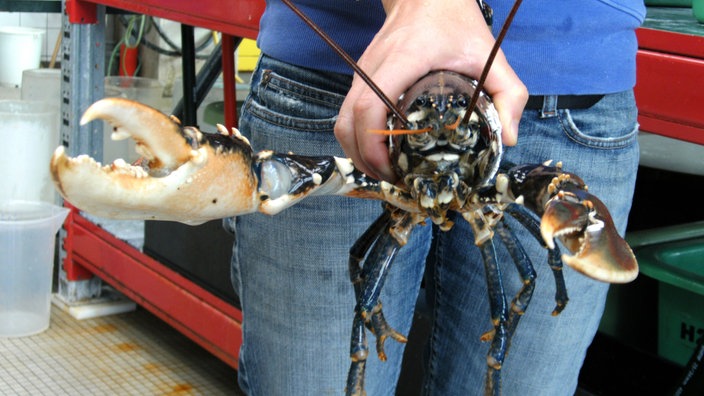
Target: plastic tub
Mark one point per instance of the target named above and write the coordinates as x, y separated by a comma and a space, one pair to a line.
27, 239
42, 84
678, 266
20, 49
29, 135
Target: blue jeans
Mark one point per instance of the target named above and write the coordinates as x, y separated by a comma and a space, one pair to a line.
291, 272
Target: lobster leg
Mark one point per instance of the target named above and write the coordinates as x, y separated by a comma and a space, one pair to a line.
520, 302
506, 320
499, 316
361, 248
375, 270
379, 244
376, 323
383, 251
555, 263
524, 217
482, 222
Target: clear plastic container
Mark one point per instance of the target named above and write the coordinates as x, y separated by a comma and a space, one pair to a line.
42, 84
29, 135
27, 241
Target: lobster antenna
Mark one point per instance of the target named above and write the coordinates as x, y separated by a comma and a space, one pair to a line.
490, 61
348, 59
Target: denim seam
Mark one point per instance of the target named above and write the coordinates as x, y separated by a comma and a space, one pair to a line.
313, 94
261, 113
573, 133
432, 340
278, 84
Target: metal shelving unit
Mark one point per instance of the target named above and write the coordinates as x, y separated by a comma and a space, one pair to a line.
82, 72
88, 250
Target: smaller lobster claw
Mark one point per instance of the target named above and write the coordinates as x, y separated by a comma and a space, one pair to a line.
583, 224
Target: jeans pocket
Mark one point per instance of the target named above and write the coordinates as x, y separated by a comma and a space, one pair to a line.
307, 99
293, 103
273, 116
612, 123
291, 115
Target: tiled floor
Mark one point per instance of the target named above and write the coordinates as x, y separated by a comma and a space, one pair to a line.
133, 353
127, 354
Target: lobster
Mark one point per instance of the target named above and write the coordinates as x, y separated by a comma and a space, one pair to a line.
445, 146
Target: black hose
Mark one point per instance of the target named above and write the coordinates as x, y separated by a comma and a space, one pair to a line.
692, 382
175, 51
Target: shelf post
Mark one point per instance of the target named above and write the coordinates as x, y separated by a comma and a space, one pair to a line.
82, 72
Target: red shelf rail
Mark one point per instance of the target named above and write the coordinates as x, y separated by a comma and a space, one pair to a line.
670, 84
209, 321
232, 18
236, 18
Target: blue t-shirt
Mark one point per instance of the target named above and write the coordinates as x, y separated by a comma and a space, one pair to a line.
555, 46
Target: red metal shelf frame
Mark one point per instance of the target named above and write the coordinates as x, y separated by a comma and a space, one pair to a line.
232, 18
670, 90
670, 84
209, 321
90, 250
238, 18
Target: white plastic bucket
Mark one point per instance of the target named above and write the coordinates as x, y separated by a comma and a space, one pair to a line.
20, 49
41, 84
27, 240
28, 133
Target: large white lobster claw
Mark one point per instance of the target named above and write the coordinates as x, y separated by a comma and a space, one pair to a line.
583, 224
190, 176
184, 176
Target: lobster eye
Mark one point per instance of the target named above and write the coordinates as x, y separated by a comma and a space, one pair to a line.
462, 101
421, 100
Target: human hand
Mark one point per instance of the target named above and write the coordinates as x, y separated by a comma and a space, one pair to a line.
417, 37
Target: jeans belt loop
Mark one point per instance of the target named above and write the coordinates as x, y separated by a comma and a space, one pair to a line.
549, 108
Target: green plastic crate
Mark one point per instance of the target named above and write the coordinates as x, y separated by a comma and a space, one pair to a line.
698, 10
679, 268
668, 3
